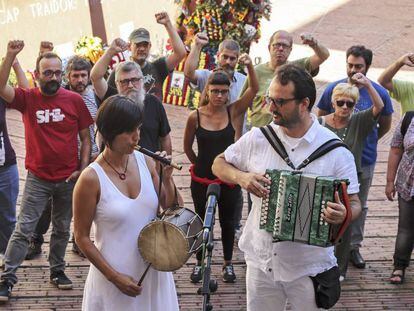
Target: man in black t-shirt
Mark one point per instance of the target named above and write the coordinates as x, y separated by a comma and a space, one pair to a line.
154, 72
128, 77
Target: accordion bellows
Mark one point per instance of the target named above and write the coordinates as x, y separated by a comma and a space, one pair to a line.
294, 207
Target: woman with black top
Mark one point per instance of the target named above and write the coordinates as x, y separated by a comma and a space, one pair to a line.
214, 124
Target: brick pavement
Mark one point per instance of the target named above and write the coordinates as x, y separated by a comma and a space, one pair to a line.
368, 289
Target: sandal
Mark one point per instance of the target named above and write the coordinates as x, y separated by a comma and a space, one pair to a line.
397, 275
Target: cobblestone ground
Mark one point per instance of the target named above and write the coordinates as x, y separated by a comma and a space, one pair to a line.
386, 27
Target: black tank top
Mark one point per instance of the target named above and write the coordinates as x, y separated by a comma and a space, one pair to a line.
210, 144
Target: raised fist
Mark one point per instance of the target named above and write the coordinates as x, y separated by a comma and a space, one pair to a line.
45, 46
162, 18
245, 59
408, 59
360, 79
119, 45
15, 46
308, 39
201, 39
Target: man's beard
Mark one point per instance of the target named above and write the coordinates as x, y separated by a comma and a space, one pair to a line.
289, 122
49, 87
78, 88
229, 70
137, 95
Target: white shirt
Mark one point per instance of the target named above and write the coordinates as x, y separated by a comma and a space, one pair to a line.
288, 261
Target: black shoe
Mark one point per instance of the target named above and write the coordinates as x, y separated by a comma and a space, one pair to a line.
228, 274
76, 249
34, 249
60, 279
5, 290
196, 276
357, 259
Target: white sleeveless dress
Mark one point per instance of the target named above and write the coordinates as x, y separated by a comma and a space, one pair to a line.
117, 224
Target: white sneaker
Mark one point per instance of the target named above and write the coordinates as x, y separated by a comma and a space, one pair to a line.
341, 278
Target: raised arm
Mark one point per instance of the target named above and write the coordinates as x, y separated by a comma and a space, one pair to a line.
240, 106
13, 48
20, 75
98, 71
321, 52
178, 47
361, 80
385, 79
191, 64
45, 46
85, 197
189, 135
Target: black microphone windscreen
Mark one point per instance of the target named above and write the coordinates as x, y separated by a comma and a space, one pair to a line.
213, 189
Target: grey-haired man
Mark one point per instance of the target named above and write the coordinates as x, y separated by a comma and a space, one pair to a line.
157, 71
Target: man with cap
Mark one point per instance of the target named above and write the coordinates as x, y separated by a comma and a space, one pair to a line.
154, 72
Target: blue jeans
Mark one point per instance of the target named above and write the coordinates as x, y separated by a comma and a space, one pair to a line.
9, 189
35, 197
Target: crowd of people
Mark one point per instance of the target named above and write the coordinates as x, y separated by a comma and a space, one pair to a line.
81, 159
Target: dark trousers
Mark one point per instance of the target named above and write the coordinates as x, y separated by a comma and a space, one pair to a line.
44, 223
405, 236
227, 209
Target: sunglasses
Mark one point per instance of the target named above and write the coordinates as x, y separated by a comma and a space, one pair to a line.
349, 104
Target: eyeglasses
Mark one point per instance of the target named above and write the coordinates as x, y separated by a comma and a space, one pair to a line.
219, 92
51, 73
281, 45
277, 101
134, 81
349, 104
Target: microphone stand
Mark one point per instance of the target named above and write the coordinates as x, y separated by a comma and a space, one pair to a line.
209, 285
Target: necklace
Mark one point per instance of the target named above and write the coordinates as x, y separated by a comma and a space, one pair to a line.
338, 131
122, 176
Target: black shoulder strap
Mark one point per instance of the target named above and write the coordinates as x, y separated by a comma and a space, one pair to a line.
198, 118
271, 136
406, 122
322, 150
277, 145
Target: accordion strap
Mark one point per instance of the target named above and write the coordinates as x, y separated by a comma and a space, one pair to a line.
277, 145
348, 216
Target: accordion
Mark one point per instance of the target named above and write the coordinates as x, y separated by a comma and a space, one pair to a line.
293, 209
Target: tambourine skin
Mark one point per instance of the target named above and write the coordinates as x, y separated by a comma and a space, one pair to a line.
163, 245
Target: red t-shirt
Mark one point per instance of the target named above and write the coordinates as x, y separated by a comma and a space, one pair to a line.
51, 125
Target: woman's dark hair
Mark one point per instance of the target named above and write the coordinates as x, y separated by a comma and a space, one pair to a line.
118, 114
217, 77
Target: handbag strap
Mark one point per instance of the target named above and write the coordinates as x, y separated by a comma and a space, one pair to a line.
277, 145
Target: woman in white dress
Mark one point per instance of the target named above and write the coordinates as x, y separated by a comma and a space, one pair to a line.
118, 195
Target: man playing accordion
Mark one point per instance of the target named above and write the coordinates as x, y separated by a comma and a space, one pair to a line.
305, 275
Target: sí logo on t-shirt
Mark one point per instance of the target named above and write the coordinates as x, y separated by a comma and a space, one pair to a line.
46, 116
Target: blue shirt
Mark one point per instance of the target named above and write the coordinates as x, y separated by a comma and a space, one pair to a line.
369, 153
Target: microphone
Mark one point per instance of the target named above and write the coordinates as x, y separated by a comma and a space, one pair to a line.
213, 195
158, 157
